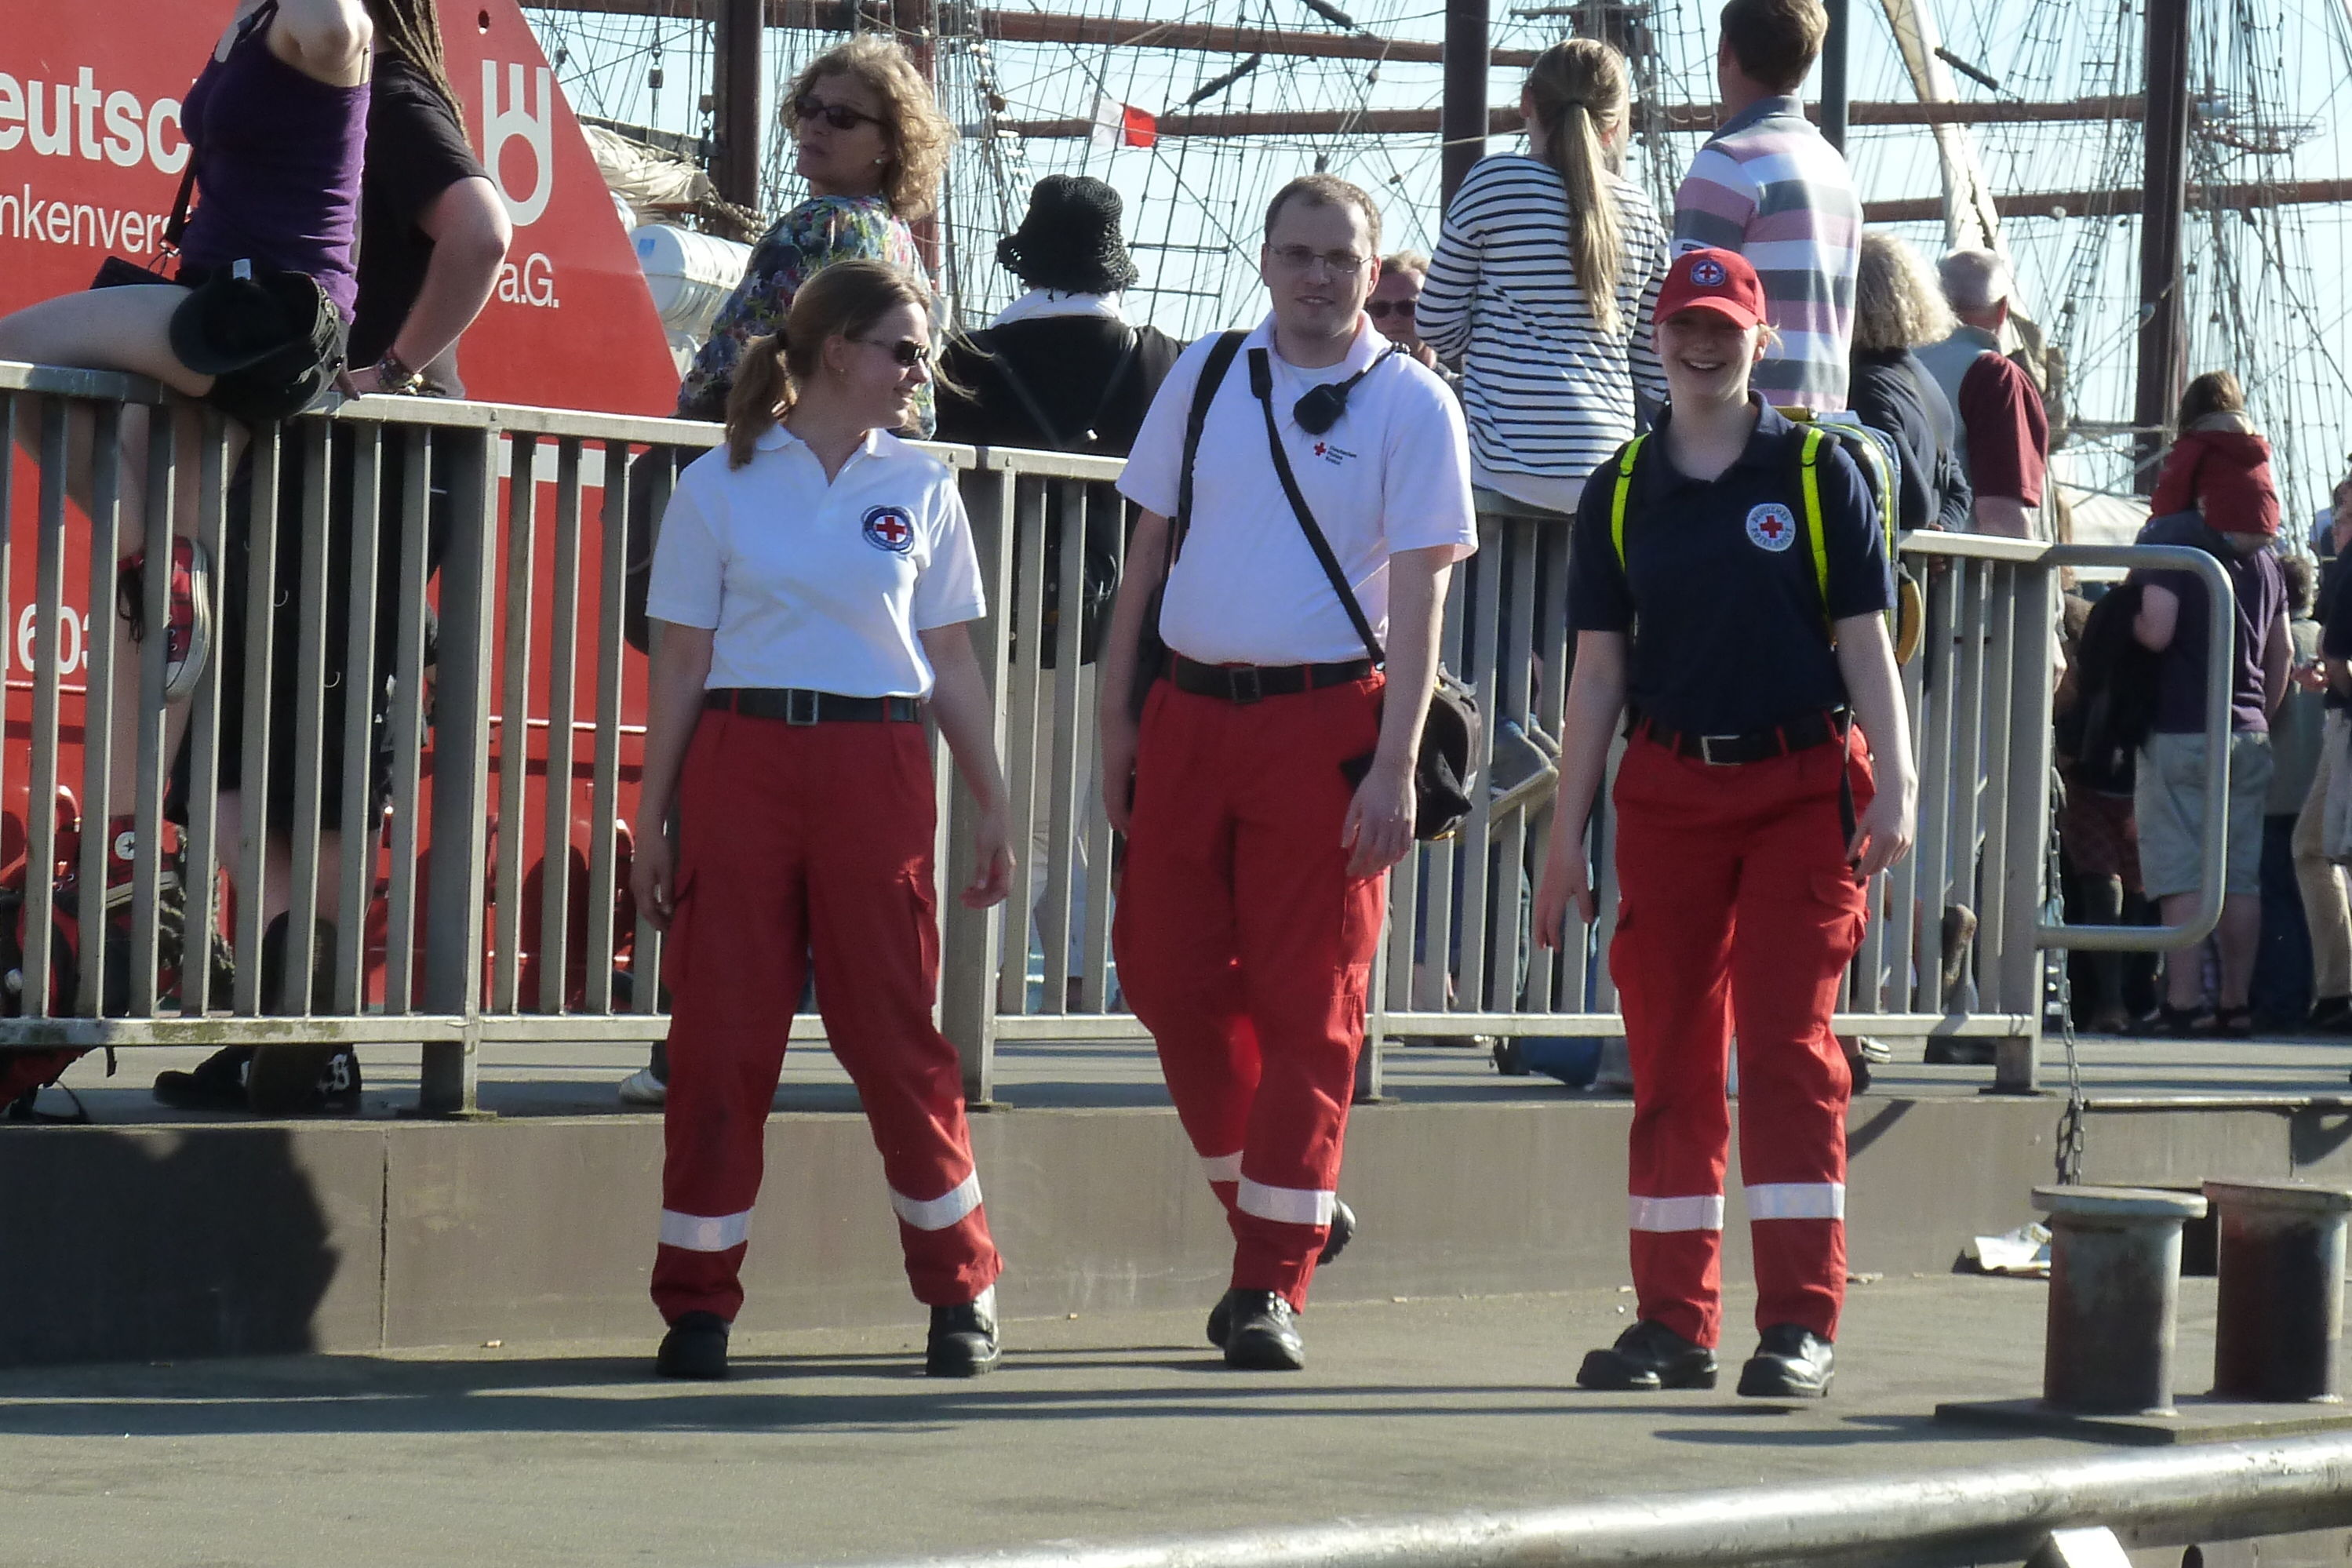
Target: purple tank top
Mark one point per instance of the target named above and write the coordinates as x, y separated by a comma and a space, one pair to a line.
278, 165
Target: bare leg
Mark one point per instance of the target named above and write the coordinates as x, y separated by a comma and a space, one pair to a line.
2240, 938
2184, 979
278, 863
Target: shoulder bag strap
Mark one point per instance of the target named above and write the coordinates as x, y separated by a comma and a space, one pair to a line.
1626, 457
1029, 403
1816, 539
1262, 384
178, 224
1204, 393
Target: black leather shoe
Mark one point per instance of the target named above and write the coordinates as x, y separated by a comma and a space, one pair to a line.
1648, 1356
1342, 1231
1791, 1363
1265, 1333
696, 1346
963, 1338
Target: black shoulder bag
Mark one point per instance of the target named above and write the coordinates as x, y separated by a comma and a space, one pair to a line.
1446, 768
1150, 651
1099, 585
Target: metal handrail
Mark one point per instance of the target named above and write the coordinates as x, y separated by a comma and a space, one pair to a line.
1942, 1519
2212, 828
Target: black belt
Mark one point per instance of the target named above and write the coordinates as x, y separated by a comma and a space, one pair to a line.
794, 706
1248, 683
1801, 733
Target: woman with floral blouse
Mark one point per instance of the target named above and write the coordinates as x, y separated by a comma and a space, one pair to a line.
872, 146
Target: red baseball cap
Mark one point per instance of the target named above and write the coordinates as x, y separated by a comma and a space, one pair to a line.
1716, 280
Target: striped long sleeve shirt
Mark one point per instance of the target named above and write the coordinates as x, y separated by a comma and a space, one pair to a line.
1546, 392
1769, 187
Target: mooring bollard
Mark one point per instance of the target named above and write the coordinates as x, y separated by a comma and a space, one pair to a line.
2281, 1290
2115, 1293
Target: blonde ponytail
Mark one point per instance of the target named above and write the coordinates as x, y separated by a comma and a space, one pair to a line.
1578, 91
761, 397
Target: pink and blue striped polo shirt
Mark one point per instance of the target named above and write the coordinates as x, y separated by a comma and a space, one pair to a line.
1767, 186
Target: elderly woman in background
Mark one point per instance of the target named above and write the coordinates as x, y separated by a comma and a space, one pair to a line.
1897, 307
872, 145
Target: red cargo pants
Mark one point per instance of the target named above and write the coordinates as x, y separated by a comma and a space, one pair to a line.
1246, 948
1738, 918
799, 841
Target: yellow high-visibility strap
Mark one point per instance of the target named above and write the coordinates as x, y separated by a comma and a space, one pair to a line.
1814, 535
1624, 488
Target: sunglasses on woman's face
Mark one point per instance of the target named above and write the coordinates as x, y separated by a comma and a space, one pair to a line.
1379, 309
840, 116
908, 352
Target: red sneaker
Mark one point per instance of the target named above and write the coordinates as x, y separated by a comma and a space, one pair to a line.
188, 614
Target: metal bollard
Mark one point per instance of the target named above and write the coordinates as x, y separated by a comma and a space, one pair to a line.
2115, 1294
2281, 1290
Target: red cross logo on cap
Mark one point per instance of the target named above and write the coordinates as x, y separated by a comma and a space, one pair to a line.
890, 529
1708, 274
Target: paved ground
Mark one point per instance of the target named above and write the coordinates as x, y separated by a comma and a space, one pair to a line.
574, 1080
830, 1446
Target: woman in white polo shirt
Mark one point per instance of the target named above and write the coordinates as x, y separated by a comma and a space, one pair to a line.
812, 583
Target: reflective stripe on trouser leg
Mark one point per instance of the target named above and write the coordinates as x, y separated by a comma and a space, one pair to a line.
733, 961
874, 933
1246, 949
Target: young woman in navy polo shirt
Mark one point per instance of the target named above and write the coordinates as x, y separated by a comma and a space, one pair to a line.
1767, 778
812, 583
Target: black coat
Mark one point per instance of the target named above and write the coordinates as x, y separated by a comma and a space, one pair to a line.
1891, 391
1065, 362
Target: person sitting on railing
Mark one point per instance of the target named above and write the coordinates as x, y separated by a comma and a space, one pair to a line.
1728, 586
1061, 370
810, 597
252, 323
2169, 794
870, 141
435, 234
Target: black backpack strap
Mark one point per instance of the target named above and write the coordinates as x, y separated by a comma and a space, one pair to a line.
1262, 387
1213, 376
1054, 438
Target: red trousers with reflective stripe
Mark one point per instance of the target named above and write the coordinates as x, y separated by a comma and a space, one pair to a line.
799, 842
1246, 948
1738, 918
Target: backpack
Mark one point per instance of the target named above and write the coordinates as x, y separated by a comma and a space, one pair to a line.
2114, 695
1874, 453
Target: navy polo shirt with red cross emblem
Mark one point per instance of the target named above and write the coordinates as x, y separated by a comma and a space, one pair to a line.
1718, 594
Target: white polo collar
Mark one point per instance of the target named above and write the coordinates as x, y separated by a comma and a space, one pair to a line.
776, 438
1362, 349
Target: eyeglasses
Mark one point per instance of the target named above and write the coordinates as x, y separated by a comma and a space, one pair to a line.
1380, 309
840, 116
908, 352
1299, 259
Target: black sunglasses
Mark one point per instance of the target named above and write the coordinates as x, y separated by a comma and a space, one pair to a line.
840, 116
1379, 309
905, 351
1320, 409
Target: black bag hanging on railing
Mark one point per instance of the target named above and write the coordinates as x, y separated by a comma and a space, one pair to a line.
1446, 767
1150, 651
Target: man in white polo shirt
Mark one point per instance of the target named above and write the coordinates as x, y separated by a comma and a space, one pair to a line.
1256, 861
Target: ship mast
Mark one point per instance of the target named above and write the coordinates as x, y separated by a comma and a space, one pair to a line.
739, 47
2162, 319
1462, 122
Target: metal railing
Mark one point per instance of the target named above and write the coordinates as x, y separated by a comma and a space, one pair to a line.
486, 615
2178, 1497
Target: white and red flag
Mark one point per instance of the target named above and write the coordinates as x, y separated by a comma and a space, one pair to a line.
1120, 124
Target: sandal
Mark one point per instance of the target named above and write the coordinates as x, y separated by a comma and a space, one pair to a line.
2175, 1023
2233, 1023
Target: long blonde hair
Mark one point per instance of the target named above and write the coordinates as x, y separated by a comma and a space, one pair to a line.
1578, 92
844, 300
1897, 303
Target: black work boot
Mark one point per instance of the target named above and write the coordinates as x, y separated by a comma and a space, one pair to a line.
1791, 1362
1342, 1231
696, 1346
1648, 1358
963, 1338
1263, 1332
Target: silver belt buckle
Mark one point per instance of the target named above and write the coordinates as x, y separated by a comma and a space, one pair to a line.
800, 706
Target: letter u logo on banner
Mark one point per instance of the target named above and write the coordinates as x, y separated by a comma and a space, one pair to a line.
535, 127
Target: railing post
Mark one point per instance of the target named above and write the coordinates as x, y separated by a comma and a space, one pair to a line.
461, 743
2017, 1060
969, 939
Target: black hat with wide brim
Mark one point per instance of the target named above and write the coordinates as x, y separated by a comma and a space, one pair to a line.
1070, 238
